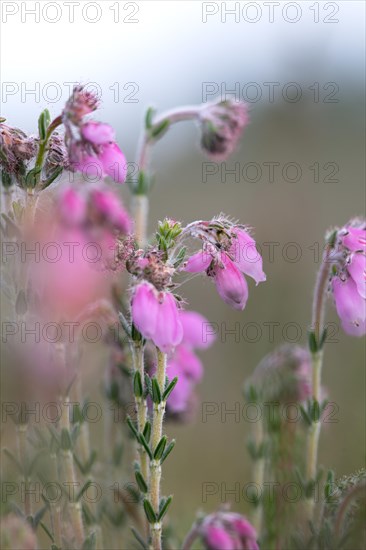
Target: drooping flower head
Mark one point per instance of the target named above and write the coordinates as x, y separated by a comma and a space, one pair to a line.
222, 123
92, 148
348, 276
228, 531
228, 252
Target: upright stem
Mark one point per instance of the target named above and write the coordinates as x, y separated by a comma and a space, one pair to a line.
155, 466
317, 363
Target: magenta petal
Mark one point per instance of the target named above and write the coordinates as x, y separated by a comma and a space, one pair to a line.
355, 239
196, 330
216, 537
357, 270
72, 206
246, 256
231, 284
91, 168
198, 262
98, 133
169, 330
114, 162
145, 308
109, 205
351, 307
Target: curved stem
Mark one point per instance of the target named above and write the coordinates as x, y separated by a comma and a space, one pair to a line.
141, 201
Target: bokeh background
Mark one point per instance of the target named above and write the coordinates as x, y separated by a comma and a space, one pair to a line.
167, 57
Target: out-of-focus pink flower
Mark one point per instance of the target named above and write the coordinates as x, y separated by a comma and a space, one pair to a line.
72, 206
91, 167
185, 364
196, 330
155, 315
217, 537
98, 133
228, 531
111, 208
226, 266
114, 162
222, 124
349, 277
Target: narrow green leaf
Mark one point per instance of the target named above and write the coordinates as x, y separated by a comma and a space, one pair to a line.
313, 345
170, 388
147, 431
148, 118
160, 448
167, 451
137, 384
132, 428
145, 445
141, 482
156, 393
164, 507
149, 512
160, 129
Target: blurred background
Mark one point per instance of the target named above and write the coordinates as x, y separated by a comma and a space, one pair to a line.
299, 170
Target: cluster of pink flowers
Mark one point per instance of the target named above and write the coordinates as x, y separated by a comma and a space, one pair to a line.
93, 206
92, 145
349, 277
226, 255
228, 531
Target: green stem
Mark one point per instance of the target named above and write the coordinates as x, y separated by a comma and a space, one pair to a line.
43, 147
317, 364
155, 466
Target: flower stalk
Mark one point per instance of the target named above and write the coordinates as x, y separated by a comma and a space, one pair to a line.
317, 339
